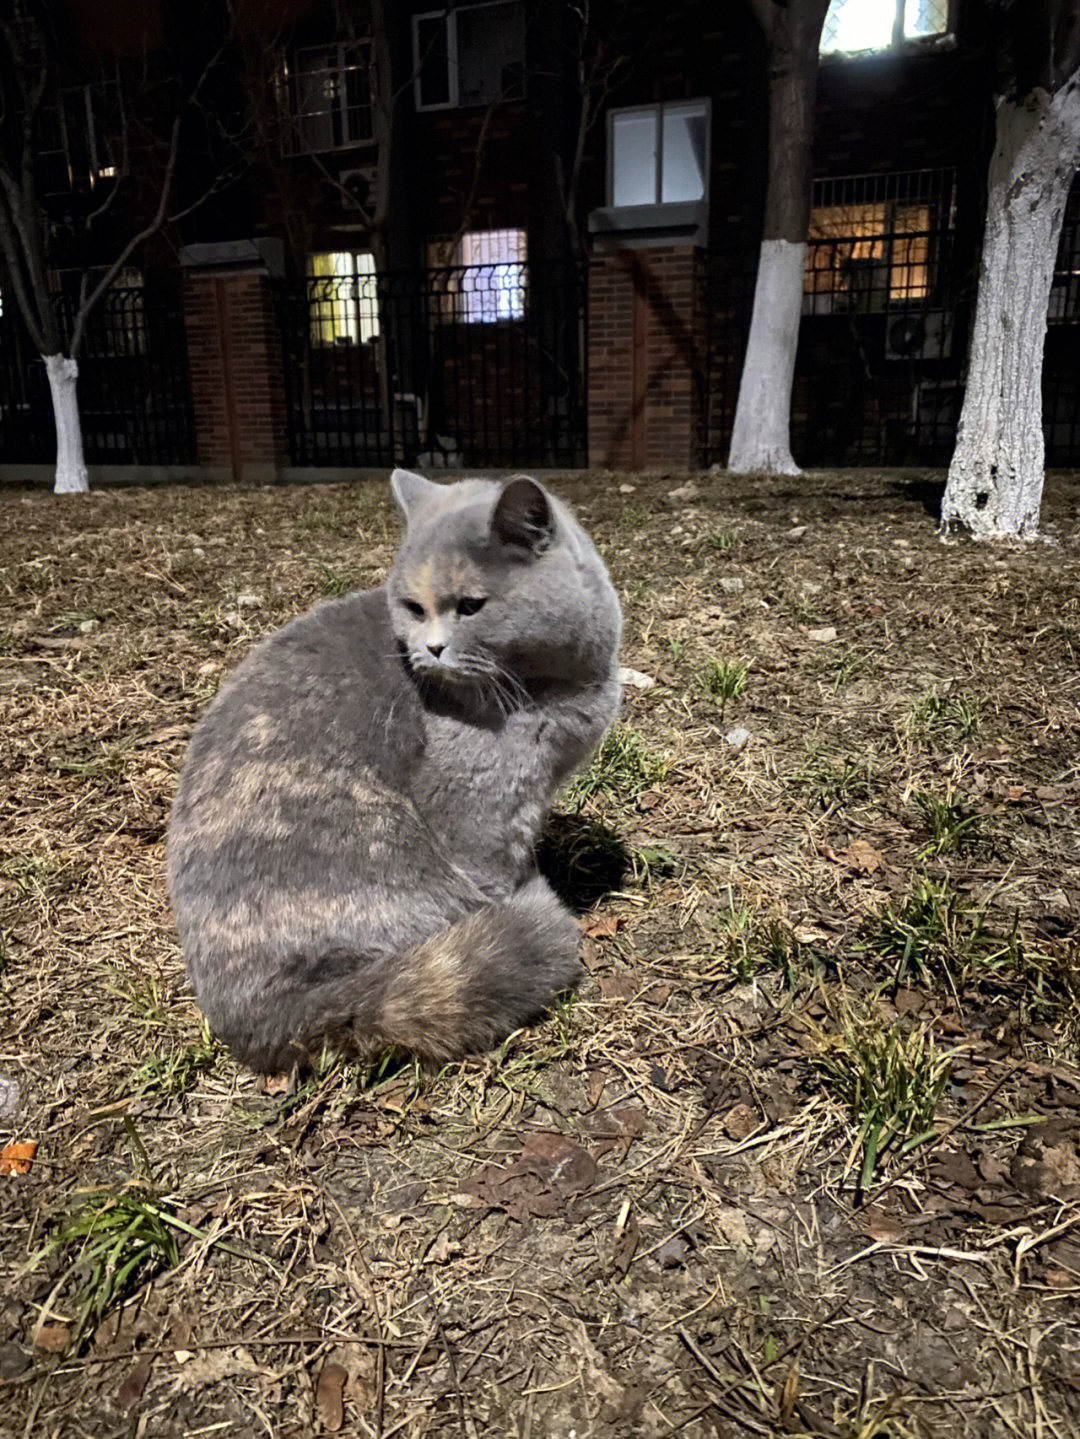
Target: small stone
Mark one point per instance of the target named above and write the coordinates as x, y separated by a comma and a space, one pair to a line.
672, 1254
796, 532
86, 626
627, 489
822, 636
199, 552
208, 667
689, 491
248, 600
737, 739
731, 584
10, 1098
635, 679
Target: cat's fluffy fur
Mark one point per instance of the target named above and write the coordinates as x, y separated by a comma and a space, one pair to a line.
351, 849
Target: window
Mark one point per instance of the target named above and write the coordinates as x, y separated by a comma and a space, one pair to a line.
489, 279
328, 90
471, 55
875, 241
659, 154
343, 298
75, 153
859, 27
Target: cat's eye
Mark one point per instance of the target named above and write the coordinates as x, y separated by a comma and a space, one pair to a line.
469, 604
414, 608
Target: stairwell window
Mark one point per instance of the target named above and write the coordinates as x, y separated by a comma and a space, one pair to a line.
659, 154
864, 27
342, 298
487, 280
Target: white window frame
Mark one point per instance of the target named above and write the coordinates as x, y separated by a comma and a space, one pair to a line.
348, 57
450, 16
898, 41
657, 109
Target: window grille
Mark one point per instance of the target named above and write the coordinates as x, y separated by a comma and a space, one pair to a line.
875, 241
859, 27
487, 278
343, 297
329, 96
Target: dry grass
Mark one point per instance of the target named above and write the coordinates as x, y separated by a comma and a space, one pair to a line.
651, 1214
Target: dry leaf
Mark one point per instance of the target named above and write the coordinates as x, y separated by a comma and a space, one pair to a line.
132, 1387
329, 1404
604, 926
50, 1337
618, 986
17, 1158
863, 857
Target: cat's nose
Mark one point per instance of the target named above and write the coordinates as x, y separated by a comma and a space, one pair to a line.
436, 650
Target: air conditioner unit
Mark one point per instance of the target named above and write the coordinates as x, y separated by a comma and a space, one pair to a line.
363, 176
924, 335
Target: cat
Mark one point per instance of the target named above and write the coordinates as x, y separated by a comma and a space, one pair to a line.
350, 852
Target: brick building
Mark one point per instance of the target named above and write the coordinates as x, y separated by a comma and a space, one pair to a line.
541, 250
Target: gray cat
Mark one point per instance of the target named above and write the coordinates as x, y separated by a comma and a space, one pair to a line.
350, 854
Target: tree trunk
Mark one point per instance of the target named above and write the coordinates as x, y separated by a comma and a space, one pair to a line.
996, 475
761, 439
71, 478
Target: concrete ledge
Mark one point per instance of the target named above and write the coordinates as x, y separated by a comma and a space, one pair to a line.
264, 253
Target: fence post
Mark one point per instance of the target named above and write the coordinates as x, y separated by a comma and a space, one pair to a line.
646, 359
234, 357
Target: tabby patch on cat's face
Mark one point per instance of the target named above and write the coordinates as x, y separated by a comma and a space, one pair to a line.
436, 604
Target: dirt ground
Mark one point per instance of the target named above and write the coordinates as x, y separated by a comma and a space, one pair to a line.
800, 1157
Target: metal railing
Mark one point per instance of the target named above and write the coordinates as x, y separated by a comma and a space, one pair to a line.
134, 399
467, 365
887, 306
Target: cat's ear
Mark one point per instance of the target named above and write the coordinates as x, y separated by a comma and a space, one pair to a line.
523, 516
411, 491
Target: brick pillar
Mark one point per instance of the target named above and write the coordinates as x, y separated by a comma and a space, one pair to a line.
646, 359
234, 359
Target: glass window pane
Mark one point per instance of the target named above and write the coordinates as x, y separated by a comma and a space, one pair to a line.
852, 26
432, 59
683, 169
492, 284
925, 17
633, 164
491, 53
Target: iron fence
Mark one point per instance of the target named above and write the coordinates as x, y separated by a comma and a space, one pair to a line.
134, 400
888, 299
475, 365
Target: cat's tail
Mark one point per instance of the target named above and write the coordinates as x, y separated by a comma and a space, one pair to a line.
470, 984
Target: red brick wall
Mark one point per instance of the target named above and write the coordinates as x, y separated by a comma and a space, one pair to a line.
234, 363
646, 359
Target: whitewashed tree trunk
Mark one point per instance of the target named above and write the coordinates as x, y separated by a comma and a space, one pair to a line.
996, 475
71, 477
761, 439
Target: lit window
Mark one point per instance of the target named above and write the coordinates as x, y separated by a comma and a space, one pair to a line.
659, 155
470, 55
874, 240
343, 299
329, 96
857, 27
488, 278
